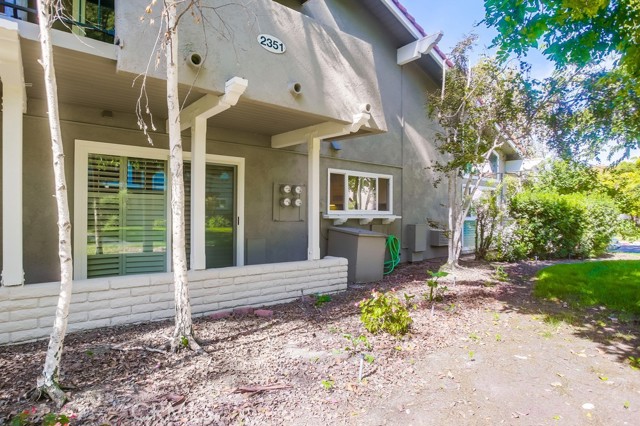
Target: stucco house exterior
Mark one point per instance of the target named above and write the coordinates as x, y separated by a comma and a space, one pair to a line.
298, 116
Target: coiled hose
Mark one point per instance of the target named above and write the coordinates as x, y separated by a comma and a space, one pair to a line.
393, 245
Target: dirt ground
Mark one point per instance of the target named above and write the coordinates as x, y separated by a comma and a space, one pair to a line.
488, 353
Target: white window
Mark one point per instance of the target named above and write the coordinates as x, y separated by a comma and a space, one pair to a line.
359, 192
121, 210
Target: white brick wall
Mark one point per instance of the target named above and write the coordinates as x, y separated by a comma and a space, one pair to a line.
26, 312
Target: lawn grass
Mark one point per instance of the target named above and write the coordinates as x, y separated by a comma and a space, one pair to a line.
614, 284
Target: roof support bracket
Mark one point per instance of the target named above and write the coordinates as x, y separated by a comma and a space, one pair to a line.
329, 129
416, 49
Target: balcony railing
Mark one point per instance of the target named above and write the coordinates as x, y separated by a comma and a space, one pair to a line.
96, 23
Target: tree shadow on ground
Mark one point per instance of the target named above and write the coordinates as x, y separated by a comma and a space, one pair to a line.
615, 333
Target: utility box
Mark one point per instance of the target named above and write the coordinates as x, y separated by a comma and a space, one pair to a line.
363, 248
416, 237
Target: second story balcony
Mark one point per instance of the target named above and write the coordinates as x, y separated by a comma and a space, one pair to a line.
94, 19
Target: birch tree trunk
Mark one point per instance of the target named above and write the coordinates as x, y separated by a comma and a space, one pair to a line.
183, 333
454, 231
48, 381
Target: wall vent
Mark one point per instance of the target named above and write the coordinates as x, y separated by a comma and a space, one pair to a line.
438, 238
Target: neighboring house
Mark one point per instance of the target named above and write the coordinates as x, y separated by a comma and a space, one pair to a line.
507, 160
300, 115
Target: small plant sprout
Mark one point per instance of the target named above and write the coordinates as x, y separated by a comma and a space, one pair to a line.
435, 291
357, 343
184, 341
321, 299
385, 312
498, 338
327, 384
500, 274
634, 362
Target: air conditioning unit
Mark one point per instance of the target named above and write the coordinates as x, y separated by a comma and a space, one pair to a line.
438, 238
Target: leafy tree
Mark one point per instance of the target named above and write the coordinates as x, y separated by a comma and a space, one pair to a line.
478, 109
622, 183
567, 177
592, 99
576, 32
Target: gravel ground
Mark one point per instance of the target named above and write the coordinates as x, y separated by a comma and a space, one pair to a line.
488, 353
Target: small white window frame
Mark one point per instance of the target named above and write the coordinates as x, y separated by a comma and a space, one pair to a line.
347, 174
80, 195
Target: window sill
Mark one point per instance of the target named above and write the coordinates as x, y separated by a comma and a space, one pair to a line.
364, 218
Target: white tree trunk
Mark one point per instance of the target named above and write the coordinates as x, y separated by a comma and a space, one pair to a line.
454, 229
48, 381
183, 333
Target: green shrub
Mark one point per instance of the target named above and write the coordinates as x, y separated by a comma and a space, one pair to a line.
552, 225
385, 312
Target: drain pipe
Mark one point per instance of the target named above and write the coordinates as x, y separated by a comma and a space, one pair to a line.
14, 105
195, 116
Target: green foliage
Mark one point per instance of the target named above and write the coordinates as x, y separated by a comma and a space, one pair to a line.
551, 225
369, 358
327, 384
184, 341
591, 100
489, 214
622, 183
569, 31
634, 362
218, 222
614, 284
384, 312
357, 344
321, 299
435, 291
477, 101
566, 177
31, 418
500, 274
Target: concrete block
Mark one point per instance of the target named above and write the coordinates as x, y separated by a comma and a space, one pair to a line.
29, 291
131, 319
16, 305
152, 289
109, 313
109, 294
129, 301
31, 334
5, 338
25, 314
161, 297
47, 301
161, 278
218, 283
13, 326
149, 307
89, 325
89, 286
78, 297
162, 314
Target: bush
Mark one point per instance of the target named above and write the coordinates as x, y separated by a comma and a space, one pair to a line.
552, 225
385, 312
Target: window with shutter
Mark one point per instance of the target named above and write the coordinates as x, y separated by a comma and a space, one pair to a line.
126, 215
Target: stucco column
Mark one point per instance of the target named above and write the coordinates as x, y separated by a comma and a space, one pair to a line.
313, 195
12, 107
198, 192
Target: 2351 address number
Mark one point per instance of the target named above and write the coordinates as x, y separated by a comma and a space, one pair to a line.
271, 43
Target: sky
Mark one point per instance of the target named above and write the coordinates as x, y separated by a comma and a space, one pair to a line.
457, 18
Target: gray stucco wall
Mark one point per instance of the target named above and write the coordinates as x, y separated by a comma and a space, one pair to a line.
334, 68
405, 151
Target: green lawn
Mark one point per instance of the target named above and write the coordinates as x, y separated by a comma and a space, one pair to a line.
614, 284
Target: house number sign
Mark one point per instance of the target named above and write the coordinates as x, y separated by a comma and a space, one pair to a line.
271, 43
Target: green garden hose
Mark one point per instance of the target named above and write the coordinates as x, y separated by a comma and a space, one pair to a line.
393, 245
